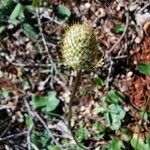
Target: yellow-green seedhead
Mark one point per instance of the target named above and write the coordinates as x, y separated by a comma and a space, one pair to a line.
80, 48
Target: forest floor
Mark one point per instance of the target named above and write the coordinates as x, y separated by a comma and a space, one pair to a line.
111, 110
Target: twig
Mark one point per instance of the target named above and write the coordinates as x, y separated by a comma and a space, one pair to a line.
13, 136
108, 55
123, 34
45, 126
6, 129
31, 127
109, 72
51, 19
20, 64
5, 107
147, 5
30, 65
35, 114
43, 83
45, 47
42, 36
119, 57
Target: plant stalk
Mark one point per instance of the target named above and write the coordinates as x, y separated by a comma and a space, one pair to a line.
74, 90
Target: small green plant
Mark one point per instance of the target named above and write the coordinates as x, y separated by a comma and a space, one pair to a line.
25, 85
118, 28
114, 144
46, 103
63, 12
139, 144
114, 116
98, 130
112, 110
28, 121
114, 97
144, 68
18, 14
98, 81
41, 140
82, 134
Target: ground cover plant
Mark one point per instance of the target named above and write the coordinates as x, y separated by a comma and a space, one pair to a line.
74, 75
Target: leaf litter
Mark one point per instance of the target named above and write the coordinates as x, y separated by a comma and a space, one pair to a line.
24, 59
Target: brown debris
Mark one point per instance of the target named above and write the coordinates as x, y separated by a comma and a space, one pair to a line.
137, 85
6, 83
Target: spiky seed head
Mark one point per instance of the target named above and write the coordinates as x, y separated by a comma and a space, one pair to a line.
79, 46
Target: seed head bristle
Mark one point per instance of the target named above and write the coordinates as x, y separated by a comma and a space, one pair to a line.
79, 46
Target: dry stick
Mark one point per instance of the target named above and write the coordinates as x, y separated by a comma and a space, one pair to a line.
74, 90
46, 127
147, 5
13, 136
45, 46
31, 127
114, 46
35, 114
123, 34
6, 129
9, 59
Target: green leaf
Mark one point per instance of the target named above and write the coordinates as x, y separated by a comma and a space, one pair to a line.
30, 10
41, 140
36, 3
6, 8
28, 121
144, 68
126, 134
26, 85
5, 3
115, 125
54, 148
21, 17
2, 28
138, 143
98, 129
29, 31
118, 28
144, 115
5, 93
16, 12
63, 12
116, 144
114, 97
117, 109
114, 115
47, 103
148, 140
82, 134
99, 81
